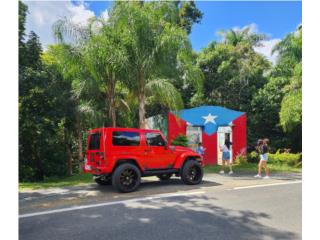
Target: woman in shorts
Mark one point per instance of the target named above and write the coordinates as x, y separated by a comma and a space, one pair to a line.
225, 149
263, 152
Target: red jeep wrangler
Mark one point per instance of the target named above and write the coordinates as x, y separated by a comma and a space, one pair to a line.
122, 156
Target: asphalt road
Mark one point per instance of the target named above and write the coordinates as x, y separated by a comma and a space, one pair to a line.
243, 211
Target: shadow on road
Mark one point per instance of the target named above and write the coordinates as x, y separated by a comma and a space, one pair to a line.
67, 196
181, 217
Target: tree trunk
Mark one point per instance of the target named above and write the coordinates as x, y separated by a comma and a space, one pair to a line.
112, 102
39, 173
80, 145
142, 99
68, 151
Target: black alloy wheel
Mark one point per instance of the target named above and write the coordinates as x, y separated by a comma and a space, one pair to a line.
192, 172
126, 178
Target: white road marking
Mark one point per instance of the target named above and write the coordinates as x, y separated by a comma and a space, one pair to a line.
158, 196
265, 185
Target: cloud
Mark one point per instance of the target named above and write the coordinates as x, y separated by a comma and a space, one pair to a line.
266, 49
253, 28
42, 15
266, 45
105, 15
79, 14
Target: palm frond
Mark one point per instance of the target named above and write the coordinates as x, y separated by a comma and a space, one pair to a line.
165, 93
64, 27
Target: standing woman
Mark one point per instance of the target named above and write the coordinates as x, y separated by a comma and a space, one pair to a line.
225, 149
263, 150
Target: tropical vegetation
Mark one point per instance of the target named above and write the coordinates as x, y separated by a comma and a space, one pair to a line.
140, 63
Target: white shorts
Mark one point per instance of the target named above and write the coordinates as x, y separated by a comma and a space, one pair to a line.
264, 157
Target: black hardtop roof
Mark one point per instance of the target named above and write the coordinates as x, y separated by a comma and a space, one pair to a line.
123, 129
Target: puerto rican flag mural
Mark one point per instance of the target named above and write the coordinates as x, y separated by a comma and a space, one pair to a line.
211, 119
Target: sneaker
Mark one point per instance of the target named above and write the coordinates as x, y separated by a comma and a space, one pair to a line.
231, 172
221, 172
257, 176
266, 177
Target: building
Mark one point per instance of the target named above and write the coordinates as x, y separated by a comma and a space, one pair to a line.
210, 125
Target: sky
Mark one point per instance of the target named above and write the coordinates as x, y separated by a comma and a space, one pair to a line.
274, 18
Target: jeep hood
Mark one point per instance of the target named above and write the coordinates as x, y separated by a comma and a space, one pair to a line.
183, 149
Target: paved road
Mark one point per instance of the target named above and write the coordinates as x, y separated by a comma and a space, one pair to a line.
229, 208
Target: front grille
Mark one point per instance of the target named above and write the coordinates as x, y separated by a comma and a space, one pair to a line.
92, 157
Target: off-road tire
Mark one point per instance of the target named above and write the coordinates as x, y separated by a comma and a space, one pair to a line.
126, 178
164, 176
192, 172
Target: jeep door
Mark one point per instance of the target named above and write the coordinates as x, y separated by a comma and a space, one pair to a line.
94, 154
161, 157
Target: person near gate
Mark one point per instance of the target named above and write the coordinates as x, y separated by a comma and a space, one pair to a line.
200, 149
225, 149
263, 150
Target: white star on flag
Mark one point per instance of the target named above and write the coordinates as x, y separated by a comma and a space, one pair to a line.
210, 118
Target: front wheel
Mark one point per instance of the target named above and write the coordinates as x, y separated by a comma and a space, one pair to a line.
126, 178
192, 172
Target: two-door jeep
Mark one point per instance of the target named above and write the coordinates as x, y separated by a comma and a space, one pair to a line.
121, 156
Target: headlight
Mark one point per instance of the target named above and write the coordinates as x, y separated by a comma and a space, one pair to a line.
88, 167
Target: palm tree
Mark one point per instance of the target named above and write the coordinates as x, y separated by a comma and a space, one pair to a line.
103, 55
245, 35
290, 47
152, 45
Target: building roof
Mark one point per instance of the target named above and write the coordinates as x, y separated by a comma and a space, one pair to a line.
209, 117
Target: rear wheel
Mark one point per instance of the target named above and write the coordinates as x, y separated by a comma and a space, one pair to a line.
164, 176
103, 180
126, 178
192, 172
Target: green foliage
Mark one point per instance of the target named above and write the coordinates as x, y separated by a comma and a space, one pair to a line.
290, 57
290, 159
180, 140
241, 159
246, 35
291, 110
253, 157
188, 15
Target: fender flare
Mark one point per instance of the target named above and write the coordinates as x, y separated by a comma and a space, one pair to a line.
181, 159
126, 159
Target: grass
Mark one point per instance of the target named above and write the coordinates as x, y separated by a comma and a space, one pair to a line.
253, 168
83, 178
77, 179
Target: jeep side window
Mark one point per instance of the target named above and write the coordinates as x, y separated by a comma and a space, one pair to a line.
155, 139
94, 141
125, 138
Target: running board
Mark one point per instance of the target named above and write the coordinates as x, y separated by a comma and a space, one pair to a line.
153, 172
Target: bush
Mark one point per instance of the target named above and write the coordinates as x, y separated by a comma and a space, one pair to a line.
253, 157
181, 140
290, 159
241, 159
